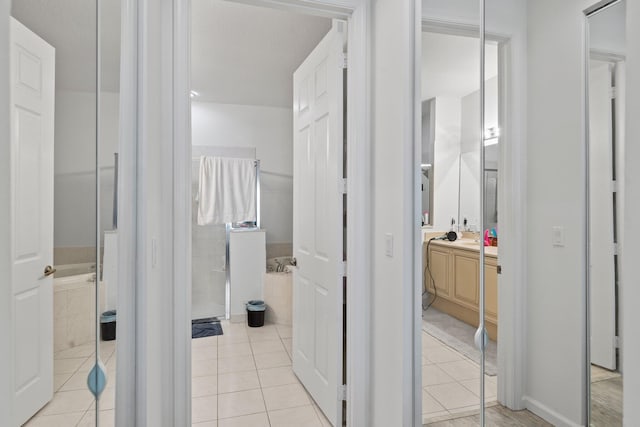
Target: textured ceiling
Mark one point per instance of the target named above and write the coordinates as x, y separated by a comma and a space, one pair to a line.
70, 27
247, 55
241, 54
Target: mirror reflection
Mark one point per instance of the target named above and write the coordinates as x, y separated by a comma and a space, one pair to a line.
55, 92
71, 122
451, 185
450, 133
606, 82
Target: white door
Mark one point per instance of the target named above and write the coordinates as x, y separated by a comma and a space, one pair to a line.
32, 107
601, 218
318, 123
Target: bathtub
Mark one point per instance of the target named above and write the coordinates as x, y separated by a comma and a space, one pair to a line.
278, 291
74, 314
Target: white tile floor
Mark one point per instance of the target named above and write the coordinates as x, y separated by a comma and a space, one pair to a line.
451, 382
72, 404
244, 377
241, 378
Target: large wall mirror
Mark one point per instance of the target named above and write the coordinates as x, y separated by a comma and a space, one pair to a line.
605, 89
65, 115
451, 131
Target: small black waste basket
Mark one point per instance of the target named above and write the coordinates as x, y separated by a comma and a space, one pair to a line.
108, 325
255, 313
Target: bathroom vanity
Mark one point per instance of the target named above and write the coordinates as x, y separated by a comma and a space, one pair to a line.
454, 268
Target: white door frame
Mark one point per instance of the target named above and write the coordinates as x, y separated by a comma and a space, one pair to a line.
163, 263
6, 313
512, 197
358, 172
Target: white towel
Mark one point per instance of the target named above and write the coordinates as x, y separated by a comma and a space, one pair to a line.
226, 190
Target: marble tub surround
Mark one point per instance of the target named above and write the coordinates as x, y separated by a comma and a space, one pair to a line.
74, 314
278, 297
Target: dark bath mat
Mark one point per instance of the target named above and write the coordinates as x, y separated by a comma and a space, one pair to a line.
208, 327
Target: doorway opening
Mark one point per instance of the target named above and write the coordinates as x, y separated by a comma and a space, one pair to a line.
249, 102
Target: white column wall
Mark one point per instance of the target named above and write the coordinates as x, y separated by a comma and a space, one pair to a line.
556, 197
157, 401
631, 319
393, 174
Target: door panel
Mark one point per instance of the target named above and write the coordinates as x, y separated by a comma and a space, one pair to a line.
466, 282
32, 107
439, 268
318, 228
601, 235
491, 289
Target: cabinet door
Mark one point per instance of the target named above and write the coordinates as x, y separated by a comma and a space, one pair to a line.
465, 282
437, 270
491, 289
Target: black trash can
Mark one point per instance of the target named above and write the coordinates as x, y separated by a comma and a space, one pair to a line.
108, 325
255, 313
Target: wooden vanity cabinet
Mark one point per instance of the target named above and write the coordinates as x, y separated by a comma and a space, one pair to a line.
455, 271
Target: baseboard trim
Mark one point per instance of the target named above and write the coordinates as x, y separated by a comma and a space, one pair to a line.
548, 414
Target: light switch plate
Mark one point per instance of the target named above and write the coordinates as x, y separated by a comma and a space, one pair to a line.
388, 244
557, 236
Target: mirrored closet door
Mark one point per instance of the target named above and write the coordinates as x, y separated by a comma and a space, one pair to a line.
55, 123
452, 224
65, 121
605, 60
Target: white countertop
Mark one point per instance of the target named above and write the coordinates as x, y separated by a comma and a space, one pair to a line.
467, 244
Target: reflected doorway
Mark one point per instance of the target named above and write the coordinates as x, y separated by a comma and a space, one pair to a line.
450, 165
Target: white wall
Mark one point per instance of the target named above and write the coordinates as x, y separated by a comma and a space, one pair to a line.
631, 315
394, 283
446, 162
556, 197
269, 130
74, 169
6, 304
470, 152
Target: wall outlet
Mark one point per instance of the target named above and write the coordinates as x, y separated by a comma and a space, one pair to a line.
557, 236
388, 244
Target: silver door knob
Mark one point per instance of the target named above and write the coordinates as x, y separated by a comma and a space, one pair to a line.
48, 271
